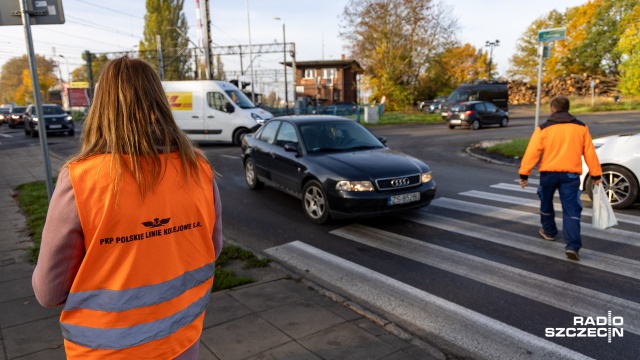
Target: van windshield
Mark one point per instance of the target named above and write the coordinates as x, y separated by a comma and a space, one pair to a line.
459, 95
240, 99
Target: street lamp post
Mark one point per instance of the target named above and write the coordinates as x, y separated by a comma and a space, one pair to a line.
284, 54
253, 93
68, 73
491, 44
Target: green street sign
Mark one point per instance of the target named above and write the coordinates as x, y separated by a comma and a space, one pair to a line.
552, 34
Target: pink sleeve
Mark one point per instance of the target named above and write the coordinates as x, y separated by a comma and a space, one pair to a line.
61, 248
217, 228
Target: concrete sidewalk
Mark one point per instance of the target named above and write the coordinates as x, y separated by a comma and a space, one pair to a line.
280, 316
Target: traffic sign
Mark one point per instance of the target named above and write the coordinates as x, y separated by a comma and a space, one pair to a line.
41, 12
552, 34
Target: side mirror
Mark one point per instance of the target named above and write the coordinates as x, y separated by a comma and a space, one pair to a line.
291, 147
383, 139
229, 108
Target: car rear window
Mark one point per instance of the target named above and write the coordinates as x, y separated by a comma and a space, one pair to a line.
460, 107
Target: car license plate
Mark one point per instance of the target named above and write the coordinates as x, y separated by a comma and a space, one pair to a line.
444, 114
454, 122
55, 126
404, 198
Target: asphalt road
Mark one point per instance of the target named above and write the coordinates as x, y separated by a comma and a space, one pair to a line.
472, 259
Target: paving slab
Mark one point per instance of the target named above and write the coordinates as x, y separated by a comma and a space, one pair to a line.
15, 289
20, 311
346, 341
244, 337
55, 353
205, 354
290, 351
277, 293
32, 337
301, 318
222, 308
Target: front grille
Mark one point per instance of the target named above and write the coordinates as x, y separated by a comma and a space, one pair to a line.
399, 182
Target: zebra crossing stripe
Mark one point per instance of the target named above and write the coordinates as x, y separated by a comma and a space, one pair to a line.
626, 218
590, 258
611, 234
513, 187
562, 295
444, 322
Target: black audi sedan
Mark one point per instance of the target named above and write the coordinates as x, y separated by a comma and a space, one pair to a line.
336, 166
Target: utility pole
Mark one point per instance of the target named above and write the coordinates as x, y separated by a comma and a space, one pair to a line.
87, 56
207, 41
160, 60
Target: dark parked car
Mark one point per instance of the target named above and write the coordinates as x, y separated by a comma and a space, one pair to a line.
493, 92
15, 116
56, 120
476, 114
336, 167
435, 105
4, 115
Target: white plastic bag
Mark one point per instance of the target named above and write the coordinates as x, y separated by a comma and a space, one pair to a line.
603, 216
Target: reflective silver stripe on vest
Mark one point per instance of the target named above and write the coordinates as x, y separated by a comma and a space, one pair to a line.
123, 300
122, 338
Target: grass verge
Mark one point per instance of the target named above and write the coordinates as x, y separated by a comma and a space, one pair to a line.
402, 117
512, 148
32, 199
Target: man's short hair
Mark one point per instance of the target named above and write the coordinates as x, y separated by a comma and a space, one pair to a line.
560, 103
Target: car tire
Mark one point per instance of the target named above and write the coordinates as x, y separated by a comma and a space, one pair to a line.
475, 125
71, 132
26, 131
315, 203
452, 127
238, 135
250, 175
504, 122
34, 134
620, 183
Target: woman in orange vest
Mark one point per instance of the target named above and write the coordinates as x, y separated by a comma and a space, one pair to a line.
133, 228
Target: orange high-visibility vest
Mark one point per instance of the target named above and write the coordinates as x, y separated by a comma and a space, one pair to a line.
144, 283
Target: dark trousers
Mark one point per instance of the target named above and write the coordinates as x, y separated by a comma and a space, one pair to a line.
568, 185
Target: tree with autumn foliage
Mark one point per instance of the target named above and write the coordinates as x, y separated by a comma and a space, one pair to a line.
454, 66
396, 42
629, 46
15, 79
166, 18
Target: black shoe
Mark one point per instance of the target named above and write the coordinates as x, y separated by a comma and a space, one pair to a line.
572, 255
545, 236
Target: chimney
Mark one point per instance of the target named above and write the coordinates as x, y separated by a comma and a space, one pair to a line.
342, 56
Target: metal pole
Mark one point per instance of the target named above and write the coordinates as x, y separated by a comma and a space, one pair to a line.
540, 51
293, 65
160, 59
42, 130
89, 75
253, 94
284, 53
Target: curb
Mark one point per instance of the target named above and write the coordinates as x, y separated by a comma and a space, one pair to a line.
470, 152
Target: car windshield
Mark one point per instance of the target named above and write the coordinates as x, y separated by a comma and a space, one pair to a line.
4, 110
240, 99
337, 137
18, 109
459, 95
52, 110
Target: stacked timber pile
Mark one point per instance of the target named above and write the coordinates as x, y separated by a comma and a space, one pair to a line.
521, 92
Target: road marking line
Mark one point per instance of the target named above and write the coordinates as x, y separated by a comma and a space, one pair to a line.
444, 322
631, 219
554, 249
611, 234
562, 295
230, 156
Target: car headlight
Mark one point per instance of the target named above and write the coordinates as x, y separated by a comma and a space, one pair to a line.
34, 119
69, 118
345, 185
15, 116
1, 117
426, 177
256, 117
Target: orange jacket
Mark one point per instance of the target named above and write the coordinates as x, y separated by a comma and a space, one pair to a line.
559, 145
144, 283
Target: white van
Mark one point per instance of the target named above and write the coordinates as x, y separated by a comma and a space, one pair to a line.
210, 110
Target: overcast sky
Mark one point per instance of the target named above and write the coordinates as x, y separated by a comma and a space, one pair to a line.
116, 25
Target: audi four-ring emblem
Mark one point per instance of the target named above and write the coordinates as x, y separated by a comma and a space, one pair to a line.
400, 182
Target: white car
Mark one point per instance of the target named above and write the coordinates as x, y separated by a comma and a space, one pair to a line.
619, 156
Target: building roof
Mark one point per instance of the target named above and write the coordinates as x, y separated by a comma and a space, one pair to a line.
326, 64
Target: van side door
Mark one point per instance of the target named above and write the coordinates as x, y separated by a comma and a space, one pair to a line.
219, 122
186, 107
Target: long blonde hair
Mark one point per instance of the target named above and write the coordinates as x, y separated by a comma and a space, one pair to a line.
130, 116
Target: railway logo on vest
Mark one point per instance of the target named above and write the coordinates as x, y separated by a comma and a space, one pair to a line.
156, 222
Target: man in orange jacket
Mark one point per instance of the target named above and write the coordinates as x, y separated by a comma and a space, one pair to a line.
559, 145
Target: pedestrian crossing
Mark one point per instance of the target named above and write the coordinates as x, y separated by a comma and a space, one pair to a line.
471, 218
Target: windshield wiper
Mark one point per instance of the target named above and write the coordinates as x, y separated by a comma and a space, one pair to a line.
362, 147
326, 149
